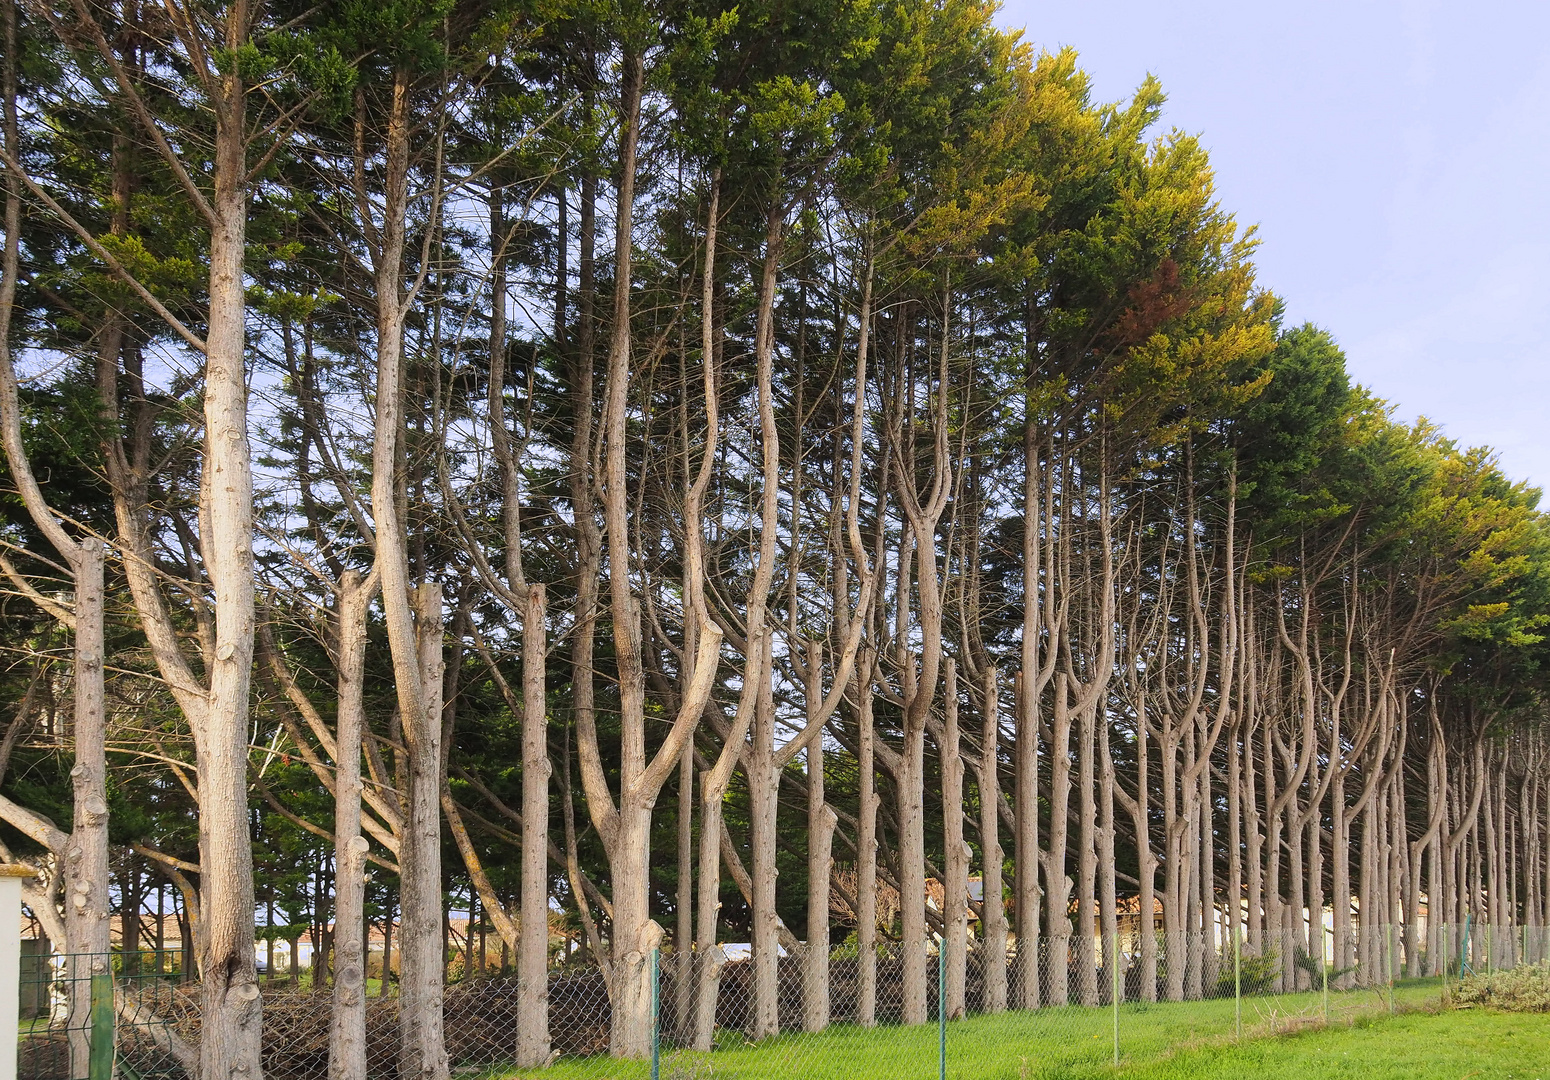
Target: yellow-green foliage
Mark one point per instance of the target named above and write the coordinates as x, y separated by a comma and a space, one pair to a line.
1525, 989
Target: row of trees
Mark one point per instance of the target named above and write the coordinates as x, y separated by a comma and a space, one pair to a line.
635, 460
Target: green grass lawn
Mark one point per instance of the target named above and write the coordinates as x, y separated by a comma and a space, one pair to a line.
1284, 1036
1453, 1045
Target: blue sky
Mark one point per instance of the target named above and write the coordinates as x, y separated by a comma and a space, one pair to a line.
1396, 156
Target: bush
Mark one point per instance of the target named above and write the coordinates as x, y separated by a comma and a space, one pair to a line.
1258, 973
1524, 989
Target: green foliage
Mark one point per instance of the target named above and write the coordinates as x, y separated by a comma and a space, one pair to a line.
1257, 973
1522, 989
1319, 973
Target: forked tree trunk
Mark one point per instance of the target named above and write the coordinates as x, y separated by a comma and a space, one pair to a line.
83, 855
625, 827
413, 616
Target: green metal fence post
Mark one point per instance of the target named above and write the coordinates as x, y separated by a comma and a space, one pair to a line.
656, 1013
941, 1009
1115, 996
1490, 955
99, 1062
1237, 980
1464, 947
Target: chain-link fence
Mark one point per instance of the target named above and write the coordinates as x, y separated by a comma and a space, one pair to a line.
1066, 1008
94, 1017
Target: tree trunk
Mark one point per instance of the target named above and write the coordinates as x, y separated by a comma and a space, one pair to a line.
821, 821
533, 945
955, 852
231, 1010
683, 931
1108, 903
993, 924
763, 801
1087, 859
347, 1025
423, 1053
866, 855
87, 926
709, 957
1058, 896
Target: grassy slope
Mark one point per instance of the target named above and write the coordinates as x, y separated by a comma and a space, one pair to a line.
1157, 1042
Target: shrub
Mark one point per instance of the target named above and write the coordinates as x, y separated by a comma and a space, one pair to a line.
1524, 989
1259, 973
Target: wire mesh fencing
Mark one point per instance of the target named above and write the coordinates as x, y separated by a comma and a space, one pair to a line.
94, 1017
1069, 1006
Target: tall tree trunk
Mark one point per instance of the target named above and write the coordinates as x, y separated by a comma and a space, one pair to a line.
821, 821
866, 854
1108, 903
1030, 685
414, 629
683, 931
1087, 859
87, 926
709, 958
347, 1024
910, 778
955, 852
993, 923
533, 945
763, 802
423, 1053
231, 1009
1058, 895
1146, 894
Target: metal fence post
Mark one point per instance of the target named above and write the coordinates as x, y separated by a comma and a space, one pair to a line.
656, 1013
1490, 955
941, 1009
100, 1059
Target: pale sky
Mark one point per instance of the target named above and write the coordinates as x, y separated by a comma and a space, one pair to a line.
1395, 156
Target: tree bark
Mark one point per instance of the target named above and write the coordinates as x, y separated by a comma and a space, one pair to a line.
347, 1026
231, 1011
422, 1053
533, 946
993, 922
955, 858
866, 853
